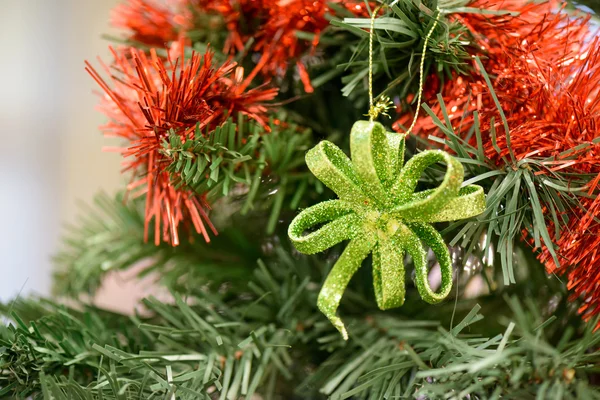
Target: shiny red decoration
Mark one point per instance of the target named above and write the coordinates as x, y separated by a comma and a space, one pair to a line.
575, 120
545, 71
151, 22
273, 25
149, 96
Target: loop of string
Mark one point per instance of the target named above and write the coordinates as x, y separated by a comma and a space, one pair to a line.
384, 103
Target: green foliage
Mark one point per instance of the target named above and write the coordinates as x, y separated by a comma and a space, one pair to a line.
400, 31
265, 171
205, 342
46, 339
212, 162
110, 237
523, 196
267, 165
285, 180
391, 358
229, 344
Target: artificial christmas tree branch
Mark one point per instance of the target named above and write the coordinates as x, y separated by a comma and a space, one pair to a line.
211, 343
400, 30
110, 237
218, 101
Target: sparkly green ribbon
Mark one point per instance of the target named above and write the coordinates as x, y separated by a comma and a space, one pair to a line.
379, 211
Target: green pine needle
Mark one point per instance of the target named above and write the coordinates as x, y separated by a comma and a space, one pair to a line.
399, 31
220, 344
110, 237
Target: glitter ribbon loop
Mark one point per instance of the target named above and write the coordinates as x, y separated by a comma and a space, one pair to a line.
421, 205
380, 213
341, 221
469, 199
375, 159
332, 167
435, 242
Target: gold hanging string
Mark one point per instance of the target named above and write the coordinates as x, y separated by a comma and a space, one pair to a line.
384, 103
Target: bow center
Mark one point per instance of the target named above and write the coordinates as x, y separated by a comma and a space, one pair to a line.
383, 223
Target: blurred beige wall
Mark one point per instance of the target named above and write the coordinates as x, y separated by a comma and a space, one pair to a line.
51, 148
85, 169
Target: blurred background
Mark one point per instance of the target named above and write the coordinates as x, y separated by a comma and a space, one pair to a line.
51, 155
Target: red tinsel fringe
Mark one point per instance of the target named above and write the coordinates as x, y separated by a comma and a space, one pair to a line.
271, 24
151, 22
146, 98
545, 73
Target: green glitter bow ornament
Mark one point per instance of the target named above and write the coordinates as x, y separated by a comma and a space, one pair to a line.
380, 213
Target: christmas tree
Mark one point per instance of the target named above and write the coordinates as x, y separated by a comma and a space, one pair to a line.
344, 199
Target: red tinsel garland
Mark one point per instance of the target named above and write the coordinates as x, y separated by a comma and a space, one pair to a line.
148, 97
576, 115
271, 24
545, 73
150, 22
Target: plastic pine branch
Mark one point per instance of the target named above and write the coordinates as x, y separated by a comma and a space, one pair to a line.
261, 164
400, 30
283, 181
210, 164
213, 344
109, 237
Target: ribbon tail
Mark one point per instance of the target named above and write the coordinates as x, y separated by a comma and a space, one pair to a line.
433, 239
339, 277
388, 274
